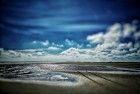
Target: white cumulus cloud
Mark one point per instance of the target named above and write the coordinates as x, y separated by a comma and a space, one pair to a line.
41, 43
111, 44
53, 48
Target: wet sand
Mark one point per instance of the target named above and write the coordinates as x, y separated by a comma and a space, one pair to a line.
94, 84
84, 82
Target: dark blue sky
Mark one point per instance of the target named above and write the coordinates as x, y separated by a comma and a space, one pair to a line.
25, 21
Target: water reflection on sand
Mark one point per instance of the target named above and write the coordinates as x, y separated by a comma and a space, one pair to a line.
58, 74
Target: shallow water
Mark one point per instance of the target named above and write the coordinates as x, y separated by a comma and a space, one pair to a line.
32, 72
54, 72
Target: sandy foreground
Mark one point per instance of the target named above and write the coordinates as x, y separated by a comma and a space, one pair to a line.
87, 82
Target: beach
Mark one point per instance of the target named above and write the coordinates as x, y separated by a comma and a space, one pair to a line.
76, 79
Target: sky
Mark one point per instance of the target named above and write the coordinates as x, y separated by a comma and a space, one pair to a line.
104, 29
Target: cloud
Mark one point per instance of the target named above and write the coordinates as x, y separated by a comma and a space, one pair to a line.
112, 35
98, 38
69, 55
137, 35
52, 45
71, 51
45, 43
40, 55
41, 43
70, 43
119, 40
53, 48
57, 45
5, 54
128, 29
